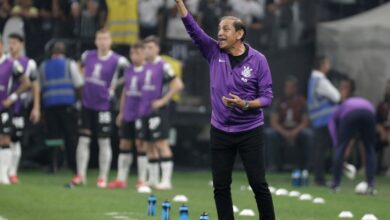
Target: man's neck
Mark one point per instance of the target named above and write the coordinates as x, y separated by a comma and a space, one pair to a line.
237, 49
15, 55
103, 53
139, 64
151, 59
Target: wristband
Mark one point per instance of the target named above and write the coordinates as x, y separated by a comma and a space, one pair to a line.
246, 106
13, 97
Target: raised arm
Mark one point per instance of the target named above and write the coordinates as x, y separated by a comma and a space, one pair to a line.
181, 8
207, 45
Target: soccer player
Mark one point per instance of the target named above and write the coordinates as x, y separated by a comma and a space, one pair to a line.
160, 85
10, 71
241, 85
134, 78
355, 115
20, 107
102, 68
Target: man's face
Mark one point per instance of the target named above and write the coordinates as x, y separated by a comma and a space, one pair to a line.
103, 41
227, 34
137, 56
15, 46
290, 88
345, 89
326, 66
151, 50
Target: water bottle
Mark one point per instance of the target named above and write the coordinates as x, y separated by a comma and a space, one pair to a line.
305, 178
296, 178
152, 205
166, 211
183, 212
204, 216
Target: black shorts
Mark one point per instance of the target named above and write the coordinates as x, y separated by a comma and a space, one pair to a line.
154, 126
96, 121
127, 131
6, 127
18, 122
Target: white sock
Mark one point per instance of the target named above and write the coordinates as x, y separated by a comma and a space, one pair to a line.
5, 162
16, 150
105, 156
154, 172
124, 163
82, 156
142, 161
166, 169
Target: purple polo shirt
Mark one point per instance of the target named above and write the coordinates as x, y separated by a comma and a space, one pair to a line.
250, 79
348, 106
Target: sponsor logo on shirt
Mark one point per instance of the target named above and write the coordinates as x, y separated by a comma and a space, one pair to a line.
221, 61
246, 73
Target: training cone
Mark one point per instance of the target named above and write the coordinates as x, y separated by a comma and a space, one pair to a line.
305, 197
235, 209
345, 214
369, 217
247, 212
281, 192
180, 198
294, 194
318, 200
144, 189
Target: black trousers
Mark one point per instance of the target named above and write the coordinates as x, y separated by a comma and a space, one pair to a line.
321, 150
249, 145
61, 123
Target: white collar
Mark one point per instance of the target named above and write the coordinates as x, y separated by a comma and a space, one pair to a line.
138, 69
2, 58
106, 57
318, 73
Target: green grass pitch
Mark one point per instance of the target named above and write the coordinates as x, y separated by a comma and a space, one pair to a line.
42, 196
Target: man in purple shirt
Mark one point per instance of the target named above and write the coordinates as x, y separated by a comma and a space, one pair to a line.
241, 86
161, 84
10, 71
354, 116
129, 112
101, 72
21, 108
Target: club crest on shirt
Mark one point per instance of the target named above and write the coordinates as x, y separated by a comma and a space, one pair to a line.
246, 73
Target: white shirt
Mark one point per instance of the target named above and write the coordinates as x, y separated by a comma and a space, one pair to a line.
175, 26
147, 10
325, 87
77, 79
248, 9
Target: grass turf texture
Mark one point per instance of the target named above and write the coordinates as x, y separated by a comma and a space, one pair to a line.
43, 196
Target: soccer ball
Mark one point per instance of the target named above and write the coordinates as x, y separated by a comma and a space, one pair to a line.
361, 188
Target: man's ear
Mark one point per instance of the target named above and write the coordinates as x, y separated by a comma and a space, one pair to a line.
240, 34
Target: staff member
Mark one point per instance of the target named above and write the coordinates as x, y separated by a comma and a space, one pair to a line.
241, 85
322, 100
61, 80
